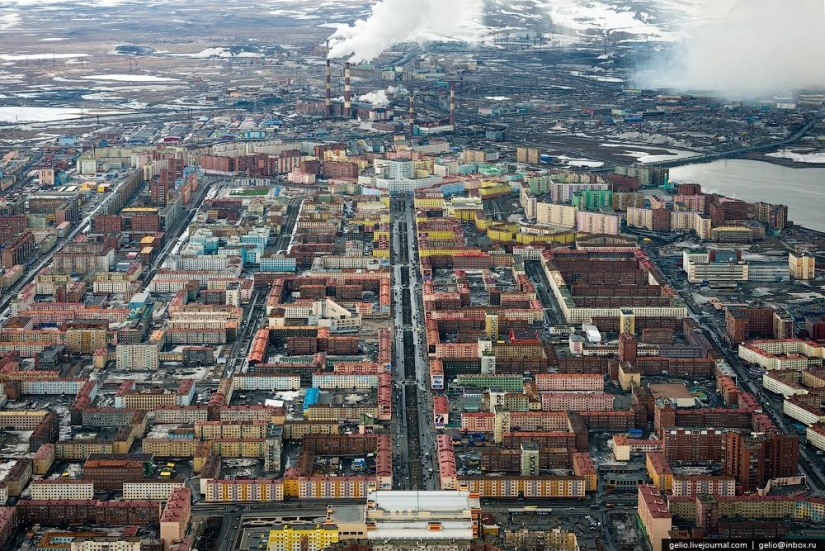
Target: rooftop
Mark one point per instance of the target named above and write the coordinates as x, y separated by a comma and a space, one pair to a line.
412, 501
654, 501
670, 390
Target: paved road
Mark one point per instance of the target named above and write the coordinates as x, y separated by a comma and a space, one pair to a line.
809, 465
46, 258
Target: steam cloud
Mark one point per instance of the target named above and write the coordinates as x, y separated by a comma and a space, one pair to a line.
396, 21
377, 99
762, 47
381, 98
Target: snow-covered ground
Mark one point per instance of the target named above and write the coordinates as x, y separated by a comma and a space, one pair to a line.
799, 157
161, 431
5, 467
31, 57
45, 114
130, 78
220, 52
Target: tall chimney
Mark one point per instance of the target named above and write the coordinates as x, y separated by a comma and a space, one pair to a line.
452, 105
347, 93
412, 116
329, 91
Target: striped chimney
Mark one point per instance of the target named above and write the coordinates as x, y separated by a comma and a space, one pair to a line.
328, 96
452, 105
412, 116
347, 93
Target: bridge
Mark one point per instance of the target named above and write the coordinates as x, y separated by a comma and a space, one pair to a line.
740, 151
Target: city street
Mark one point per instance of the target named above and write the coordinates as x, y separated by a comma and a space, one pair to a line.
409, 347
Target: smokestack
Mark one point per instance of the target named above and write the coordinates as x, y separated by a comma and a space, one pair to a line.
412, 116
452, 105
347, 93
329, 90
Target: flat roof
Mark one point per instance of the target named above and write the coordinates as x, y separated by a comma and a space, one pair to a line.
411, 500
670, 390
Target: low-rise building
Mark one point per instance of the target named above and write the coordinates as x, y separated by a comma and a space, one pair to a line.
244, 490
62, 488
151, 490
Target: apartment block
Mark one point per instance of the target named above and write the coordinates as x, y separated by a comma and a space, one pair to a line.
654, 516
62, 488
174, 521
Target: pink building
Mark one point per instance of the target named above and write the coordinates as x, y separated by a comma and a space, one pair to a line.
478, 422
569, 381
714, 485
576, 401
446, 463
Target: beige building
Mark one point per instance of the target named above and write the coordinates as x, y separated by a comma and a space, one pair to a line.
211, 430
62, 488
539, 540
556, 215
170, 447
85, 341
106, 544
137, 357
148, 399
802, 266
654, 515
528, 155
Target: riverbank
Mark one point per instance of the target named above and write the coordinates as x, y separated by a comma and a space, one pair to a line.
801, 188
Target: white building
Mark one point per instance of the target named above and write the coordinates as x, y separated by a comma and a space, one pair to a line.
816, 436
414, 515
802, 412
782, 382
62, 488
344, 380
699, 268
266, 382
151, 491
793, 354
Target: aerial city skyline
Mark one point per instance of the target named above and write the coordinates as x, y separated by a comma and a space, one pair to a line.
370, 275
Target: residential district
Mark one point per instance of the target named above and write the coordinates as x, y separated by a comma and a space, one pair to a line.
215, 337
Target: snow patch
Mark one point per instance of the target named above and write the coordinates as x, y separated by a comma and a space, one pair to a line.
29, 57
130, 78
799, 156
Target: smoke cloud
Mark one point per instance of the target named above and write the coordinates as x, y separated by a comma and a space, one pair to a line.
396, 21
381, 98
761, 47
377, 99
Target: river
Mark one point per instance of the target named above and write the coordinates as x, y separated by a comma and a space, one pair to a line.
802, 189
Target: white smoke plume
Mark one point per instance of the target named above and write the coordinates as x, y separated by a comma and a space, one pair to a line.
377, 99
396, 21
381, 98
760, 47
